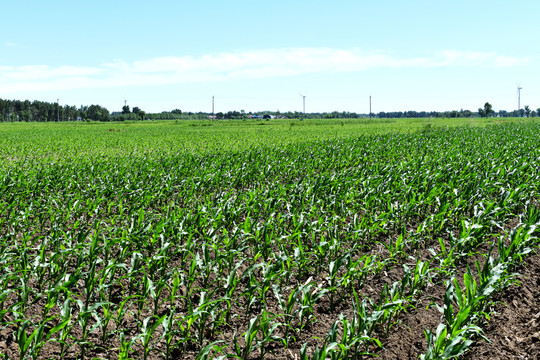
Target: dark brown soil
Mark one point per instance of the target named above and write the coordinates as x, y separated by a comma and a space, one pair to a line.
514, 329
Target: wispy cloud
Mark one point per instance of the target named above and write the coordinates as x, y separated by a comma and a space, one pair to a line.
257, 64
478, 58
12, 44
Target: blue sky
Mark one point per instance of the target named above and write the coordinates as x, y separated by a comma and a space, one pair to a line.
254, 56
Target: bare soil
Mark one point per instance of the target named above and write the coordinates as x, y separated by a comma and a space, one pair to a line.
514, 329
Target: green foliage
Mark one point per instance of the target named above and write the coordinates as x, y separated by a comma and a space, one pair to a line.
488, 109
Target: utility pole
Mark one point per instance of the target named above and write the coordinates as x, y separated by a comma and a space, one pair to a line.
519, 99
213, 116
370, 107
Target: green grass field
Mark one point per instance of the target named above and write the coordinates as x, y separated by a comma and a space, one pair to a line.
78, 139
271, 239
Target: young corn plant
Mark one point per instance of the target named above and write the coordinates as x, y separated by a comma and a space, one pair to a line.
442, 346
397, 248
332, 279
33, 344
83, 319
415, 279
148, 291
360, 269
251, 292
307, 298
103, 321
268, 277
453, 339
169, 324
26, 343
67, 325
125, 347
302, 259
354, 338
286, 305
326, 351
174, 289
264, 325
520, 245
184, 331
215, 347
364, 320
267, 329
447, 260
147, 333
122, 310
390, 305
156, 294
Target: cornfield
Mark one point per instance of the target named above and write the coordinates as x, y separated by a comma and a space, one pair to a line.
172, 241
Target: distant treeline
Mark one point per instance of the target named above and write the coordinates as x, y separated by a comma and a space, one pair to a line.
17, 110
456, 114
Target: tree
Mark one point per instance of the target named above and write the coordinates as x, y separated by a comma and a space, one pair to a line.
97, 113
527, 110
486, 110
136, 110
481, 112
453, 114
466, 113
125, 109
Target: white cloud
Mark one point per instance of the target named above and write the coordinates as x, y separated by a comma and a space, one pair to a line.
11, 44
257, 64
44, 72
